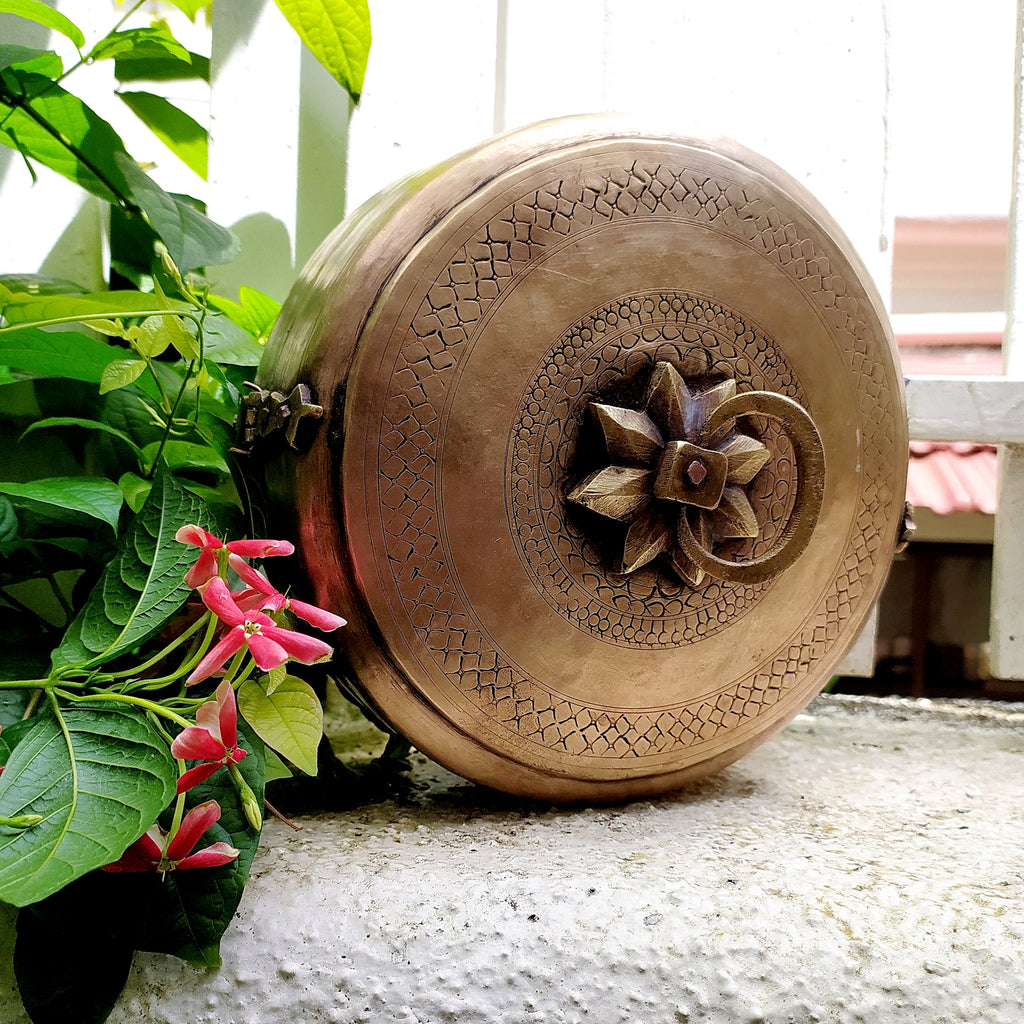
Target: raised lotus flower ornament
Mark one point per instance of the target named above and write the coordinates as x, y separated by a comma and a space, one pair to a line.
677, 473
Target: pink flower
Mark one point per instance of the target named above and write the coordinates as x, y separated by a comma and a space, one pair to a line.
153, 852
212, 740
206, 566
263, 595
270, 645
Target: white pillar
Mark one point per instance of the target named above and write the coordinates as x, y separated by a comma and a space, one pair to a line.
1007, 628
278, 141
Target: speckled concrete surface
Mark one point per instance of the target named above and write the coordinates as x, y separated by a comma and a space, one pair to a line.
865, 865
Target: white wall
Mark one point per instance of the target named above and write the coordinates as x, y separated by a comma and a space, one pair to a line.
881, 107
950, 110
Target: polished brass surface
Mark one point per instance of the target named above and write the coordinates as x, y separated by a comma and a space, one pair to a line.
613, 456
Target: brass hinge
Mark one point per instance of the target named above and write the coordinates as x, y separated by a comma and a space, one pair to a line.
907, 529
266, 412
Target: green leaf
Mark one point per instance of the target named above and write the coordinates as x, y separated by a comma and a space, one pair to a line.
337, 33
22, 308
135, 490
222, 499
73, 951
75, 421
182, 135
13, 728
192, 239
183, 455
120, 373
28, 58
92, 166
255, 312
110, 328
8, 520
261, 309
162, 69
155, 333
289, 720
39, 284
139, 44
65, 135
191, 8
276, 768
148, 338
68, 354
143, 586
226, 342
93, 496
187, 914
99, 777
37, 11
126, 411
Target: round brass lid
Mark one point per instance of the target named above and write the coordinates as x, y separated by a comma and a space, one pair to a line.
612, 460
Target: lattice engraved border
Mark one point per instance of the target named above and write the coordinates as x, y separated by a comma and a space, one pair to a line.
422, 373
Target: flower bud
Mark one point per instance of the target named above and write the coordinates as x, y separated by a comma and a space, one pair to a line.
251, 806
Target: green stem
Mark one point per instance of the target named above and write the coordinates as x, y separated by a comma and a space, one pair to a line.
123, 698
179, 805
28, 684
190, 663
202, 621
47, 684
170, 419
84, 318
165, 401
88, 58
126, 16
236, 664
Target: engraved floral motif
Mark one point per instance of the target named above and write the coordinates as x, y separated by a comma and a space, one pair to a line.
668, 471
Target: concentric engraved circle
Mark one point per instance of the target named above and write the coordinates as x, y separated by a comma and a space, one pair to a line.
608, 353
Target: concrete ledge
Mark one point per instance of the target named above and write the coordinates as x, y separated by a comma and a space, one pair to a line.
865, 865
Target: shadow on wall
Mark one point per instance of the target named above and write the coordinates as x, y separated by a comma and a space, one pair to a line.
264, 262
78, 254
24, 33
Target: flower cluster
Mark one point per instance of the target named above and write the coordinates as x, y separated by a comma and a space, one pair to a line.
246, 621
155, 850
244, 612
212, 741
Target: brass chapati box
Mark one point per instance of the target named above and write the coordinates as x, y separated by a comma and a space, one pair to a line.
612, 457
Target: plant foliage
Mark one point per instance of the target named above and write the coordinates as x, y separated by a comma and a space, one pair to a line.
131, 790
337, 33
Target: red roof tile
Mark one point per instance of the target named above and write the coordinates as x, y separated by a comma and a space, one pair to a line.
949, 477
